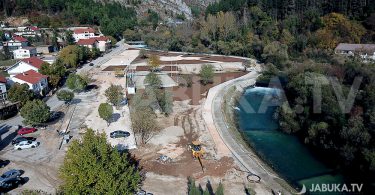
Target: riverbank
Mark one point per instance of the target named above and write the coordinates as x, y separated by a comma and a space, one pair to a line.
228, 140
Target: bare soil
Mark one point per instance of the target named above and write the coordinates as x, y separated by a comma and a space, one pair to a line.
198, 91
113, 68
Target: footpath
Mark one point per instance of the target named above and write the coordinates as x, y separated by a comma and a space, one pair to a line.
226, 144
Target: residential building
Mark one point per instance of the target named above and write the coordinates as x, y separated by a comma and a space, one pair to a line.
28, 31
104, 43
24, 65
89, 43
37, 82
45, 49
24, 52
3, 89
15, 43
365, 51
83, 33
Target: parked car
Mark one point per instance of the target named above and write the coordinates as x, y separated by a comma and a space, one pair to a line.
91, 64
3, 163
11, 174
11, 183
117, 134
20, 139
25, 145
26, 130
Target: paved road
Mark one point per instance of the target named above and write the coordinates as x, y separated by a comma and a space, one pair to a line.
53, 102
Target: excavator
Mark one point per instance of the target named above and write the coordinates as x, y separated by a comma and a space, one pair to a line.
197, 152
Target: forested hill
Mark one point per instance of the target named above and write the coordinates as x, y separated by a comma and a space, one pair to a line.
281, 9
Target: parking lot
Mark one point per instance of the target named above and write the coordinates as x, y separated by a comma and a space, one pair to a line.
40, 164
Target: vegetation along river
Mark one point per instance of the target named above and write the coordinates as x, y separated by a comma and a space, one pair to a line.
286, 154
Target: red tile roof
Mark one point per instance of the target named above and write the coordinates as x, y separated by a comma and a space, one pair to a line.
34, 61
101, 38
3, 79
30, 76
90, 41
84, 30
19, 38
34, 28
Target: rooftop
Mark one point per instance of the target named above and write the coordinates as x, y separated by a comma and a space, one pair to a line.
3, 79
19, 38
90, 41
84, 30
30, 76
34, 61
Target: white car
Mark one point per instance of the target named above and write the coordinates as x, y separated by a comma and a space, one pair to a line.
25, 145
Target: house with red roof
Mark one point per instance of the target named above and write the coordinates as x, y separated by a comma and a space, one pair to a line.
89, 43
36, 81
15, 43
24, 65
104, 43
83, 33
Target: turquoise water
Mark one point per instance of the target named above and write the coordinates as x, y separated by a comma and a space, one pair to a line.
290, 158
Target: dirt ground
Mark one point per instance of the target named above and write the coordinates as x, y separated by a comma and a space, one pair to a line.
188, 117
198, 91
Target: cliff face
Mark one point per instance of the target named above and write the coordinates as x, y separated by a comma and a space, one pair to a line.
167, 9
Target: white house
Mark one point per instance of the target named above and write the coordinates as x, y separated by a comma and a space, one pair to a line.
89, 43
365, 51
15, 43
24, 65
36, 81
24, 52
83, 33
104, 43
28, 31
3, 89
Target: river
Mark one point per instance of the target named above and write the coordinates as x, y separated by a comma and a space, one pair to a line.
286, 154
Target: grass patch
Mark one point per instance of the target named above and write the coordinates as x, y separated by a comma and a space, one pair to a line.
7, 62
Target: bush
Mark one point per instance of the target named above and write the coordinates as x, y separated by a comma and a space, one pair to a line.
207, 74
76, 82
105, 112
65, 95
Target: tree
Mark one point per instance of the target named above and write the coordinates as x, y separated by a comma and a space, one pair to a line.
165, 101
207, 74
35, 112
20, 93
154, 62
71, 55
105, 112
65, 95
143, 122
69, 37
192, 188
92, 166
276, 53
220, 189
76, 82
153, 81
114, 94
54, 72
